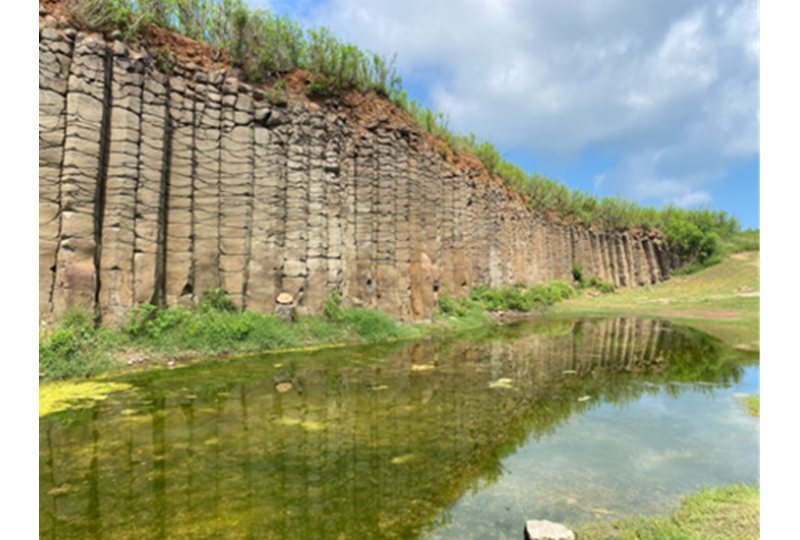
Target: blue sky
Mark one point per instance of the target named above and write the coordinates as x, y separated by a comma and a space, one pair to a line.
653, 100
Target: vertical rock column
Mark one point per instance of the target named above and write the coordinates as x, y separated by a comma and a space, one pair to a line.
402, 227
205, 200
652, 261
269, 189
81, 175
317, 250
365, 242
594, 246
478, 232
465, 277
591, 254
662, 255
236, 180
448, 230
55, 57
334, 206
116, 264
496, 238
387, 295
152, 150
415, 211
179, 281
347, 179
622, 259
295, 269
637, 260
610, 252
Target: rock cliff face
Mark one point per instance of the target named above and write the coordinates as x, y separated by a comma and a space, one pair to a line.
154, 187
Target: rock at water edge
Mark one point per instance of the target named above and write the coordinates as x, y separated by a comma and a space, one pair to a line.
547, 530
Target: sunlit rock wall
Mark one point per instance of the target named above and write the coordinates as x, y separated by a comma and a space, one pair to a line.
154, 188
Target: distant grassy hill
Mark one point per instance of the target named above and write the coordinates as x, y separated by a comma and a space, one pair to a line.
723, 299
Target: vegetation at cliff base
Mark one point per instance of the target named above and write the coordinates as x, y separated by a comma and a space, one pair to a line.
77, 347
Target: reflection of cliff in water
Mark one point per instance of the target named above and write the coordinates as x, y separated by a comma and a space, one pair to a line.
368, 442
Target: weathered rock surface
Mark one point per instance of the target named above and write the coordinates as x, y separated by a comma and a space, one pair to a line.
154, 188
547, 530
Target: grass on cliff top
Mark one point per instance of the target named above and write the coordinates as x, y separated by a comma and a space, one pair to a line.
725, 513
722, 300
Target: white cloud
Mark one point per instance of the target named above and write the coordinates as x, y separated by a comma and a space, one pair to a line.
668, 88
693, 198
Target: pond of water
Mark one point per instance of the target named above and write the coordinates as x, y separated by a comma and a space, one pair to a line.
465, 436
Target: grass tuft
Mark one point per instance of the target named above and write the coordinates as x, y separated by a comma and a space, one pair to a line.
753, 405
725, 513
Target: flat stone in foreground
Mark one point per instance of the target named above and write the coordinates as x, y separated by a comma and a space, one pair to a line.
547, 530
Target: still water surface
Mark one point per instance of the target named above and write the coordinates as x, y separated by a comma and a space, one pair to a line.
459, 437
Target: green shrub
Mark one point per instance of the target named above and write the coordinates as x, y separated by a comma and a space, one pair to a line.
489, 299
320, 86
217, 299
332, 308
103, 15
749, 240
75, 348
516, 300
373, 325
601, 285
577, 273
457, 308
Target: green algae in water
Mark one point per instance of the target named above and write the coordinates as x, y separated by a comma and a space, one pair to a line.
60, 396
436, 452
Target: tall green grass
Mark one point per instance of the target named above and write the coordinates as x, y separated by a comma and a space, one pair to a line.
260, 42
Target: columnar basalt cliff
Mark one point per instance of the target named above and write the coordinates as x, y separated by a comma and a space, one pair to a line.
155, 187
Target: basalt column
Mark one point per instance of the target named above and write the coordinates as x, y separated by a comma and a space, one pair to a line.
236, 188
206, 192
295, 269
335, 207
82, 176
448, 232
387, 286
179, 278
402, 226
55, 57
652, 262
269, 191
318, 215
365, 225
153, 143
116, 264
